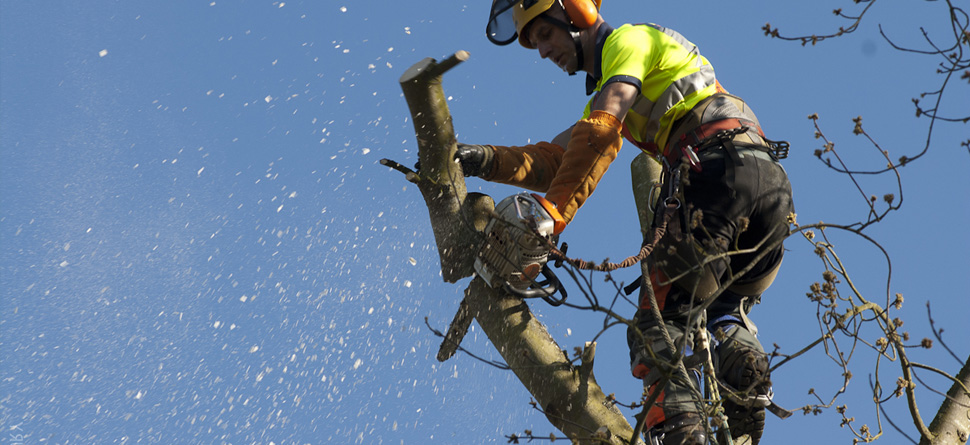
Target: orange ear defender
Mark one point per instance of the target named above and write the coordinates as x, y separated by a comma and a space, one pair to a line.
582, 13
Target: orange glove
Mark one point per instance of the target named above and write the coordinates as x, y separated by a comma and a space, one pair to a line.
593, 145
531, 167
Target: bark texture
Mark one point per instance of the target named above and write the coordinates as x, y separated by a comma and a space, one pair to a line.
952, 423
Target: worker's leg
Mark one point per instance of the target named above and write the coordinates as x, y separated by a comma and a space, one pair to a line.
741, 365
678, 416
761, 207
676, 413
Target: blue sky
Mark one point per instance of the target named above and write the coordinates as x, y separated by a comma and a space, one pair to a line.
199, 245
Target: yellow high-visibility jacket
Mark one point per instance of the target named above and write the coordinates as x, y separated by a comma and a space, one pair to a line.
668, 69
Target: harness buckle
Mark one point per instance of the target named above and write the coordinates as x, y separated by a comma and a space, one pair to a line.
778, 148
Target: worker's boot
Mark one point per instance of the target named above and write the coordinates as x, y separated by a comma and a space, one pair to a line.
742, 368
674, 418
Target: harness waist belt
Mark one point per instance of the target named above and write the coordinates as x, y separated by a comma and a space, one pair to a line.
743, 152
704, 134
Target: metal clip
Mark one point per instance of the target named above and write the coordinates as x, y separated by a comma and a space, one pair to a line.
692, 159
673, 186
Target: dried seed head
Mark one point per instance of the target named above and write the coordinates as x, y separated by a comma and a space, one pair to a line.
721, 243
829, 276
696, 218
858, 125
743, 224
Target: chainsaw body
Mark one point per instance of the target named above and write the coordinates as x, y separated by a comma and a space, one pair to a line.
517, 244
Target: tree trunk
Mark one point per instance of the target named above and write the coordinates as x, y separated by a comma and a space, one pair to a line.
952, 423
569, 395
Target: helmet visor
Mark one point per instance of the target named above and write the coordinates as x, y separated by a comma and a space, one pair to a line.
501, 25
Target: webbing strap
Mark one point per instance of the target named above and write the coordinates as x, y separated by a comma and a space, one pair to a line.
710, 132
709, 129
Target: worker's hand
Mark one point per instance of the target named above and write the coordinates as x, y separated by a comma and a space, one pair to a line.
476, 160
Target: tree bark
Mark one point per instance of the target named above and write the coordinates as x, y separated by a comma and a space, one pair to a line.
568, 395
441, 180
952, 422
575, 405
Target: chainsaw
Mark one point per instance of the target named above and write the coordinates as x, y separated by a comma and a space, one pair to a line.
516, 248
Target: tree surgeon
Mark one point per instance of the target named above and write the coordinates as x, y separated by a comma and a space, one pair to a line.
652, 87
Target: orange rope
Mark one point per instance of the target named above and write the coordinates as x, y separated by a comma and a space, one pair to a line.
658, 233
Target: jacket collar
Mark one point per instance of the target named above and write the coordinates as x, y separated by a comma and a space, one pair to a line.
592, 79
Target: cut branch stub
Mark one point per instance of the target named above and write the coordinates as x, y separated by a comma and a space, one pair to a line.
444, 192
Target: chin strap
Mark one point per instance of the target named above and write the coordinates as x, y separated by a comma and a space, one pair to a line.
579, 50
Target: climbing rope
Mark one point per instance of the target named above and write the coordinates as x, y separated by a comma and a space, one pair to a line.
658, 232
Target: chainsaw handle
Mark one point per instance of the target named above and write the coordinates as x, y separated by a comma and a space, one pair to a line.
543, 289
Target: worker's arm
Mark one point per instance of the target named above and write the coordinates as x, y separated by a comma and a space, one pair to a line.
532, 166
593, 144
562, 139
616, 99
537, 166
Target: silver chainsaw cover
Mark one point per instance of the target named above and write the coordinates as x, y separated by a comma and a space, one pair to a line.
516, 243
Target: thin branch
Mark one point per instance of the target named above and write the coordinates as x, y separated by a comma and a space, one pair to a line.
939, 334
886, 416
493, 363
